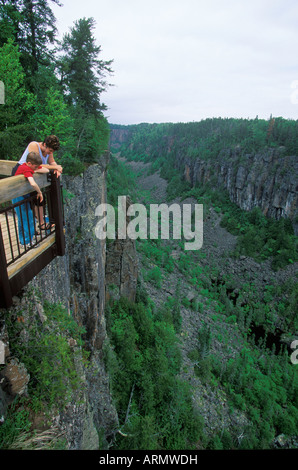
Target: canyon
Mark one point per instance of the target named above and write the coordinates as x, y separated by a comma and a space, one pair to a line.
93, 271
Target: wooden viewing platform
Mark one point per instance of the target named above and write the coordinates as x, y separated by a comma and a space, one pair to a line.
19, 264
10, 234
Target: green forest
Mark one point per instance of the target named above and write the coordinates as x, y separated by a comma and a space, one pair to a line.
56, 87
51, 86
160, 144
206, 138
255, 375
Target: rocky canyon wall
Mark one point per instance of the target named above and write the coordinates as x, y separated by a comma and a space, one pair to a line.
78, 281
82, 280
266, 179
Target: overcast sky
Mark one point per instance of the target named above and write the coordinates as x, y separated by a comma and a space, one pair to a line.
188, 60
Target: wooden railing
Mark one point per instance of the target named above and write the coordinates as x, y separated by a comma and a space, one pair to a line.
25, 249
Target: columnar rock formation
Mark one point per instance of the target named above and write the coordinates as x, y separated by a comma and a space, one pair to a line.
265, 179
78, 282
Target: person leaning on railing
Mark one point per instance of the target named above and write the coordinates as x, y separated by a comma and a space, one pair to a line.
24, 211
32, 165
46, 150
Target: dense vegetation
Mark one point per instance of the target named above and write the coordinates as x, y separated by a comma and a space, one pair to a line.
51, 87
205, 139
54, 88
258, 236
154, 405
44, 348
256, 375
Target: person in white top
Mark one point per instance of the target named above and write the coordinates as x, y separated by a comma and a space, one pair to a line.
45, 149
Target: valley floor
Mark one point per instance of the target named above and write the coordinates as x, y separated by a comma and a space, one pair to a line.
215, 258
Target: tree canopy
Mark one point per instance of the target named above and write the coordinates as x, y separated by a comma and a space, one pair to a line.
82, 72
51, 87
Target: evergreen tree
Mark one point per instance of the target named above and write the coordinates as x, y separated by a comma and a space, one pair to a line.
52, 117
31, 23
19, 103
83, 80
10, 17
82, 72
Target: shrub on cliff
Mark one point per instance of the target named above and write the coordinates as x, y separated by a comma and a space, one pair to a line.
45, 350
154, 406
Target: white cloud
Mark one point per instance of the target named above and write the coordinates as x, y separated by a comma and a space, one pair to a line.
192, 59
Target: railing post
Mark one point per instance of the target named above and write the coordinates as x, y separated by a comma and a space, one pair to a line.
57, 212
5, 290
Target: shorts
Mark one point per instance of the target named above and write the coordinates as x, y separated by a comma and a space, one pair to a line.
13, 171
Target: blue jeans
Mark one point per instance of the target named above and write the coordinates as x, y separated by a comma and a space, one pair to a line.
26, 222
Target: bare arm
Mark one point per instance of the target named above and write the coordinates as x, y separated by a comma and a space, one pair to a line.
33, 147
42, 170
52, 165
35, 187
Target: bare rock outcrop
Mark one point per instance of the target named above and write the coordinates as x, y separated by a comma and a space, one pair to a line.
267, 179
122, 267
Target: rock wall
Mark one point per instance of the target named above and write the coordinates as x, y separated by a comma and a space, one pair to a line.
120, 135
78, 281
267, 179
121, 267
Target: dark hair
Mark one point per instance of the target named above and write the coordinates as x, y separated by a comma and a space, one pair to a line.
52, 142
34, 158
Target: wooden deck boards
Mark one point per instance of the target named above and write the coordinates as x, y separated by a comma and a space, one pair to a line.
13, 246
10, 237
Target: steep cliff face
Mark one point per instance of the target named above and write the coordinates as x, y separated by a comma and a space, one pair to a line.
120, 135
121, 267
78, 281
267, 179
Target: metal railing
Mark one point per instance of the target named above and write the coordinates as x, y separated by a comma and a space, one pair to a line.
24, 226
